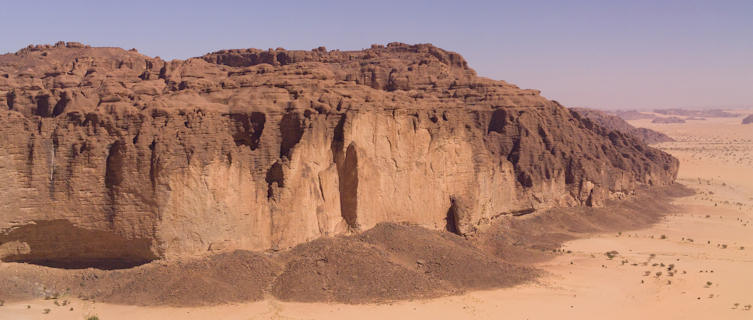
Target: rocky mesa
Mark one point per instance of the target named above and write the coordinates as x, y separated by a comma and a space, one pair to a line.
112, 158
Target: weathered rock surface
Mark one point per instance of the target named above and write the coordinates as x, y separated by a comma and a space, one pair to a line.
613, 122
265, 149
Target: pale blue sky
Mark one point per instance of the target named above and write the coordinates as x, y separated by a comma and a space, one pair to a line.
626, 54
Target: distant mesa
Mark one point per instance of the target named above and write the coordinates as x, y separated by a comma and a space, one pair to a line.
633, 115
668, 120
685, 114
748, 119
709, 113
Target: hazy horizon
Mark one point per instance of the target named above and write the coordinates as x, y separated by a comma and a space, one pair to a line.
638, 55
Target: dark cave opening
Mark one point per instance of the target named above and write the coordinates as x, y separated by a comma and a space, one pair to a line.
248, 128
451, 220
60, 244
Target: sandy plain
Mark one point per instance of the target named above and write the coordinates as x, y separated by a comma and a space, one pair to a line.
695, 264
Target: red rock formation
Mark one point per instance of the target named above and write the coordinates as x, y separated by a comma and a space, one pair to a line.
260, 149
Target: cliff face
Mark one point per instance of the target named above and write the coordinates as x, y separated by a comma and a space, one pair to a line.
109, 154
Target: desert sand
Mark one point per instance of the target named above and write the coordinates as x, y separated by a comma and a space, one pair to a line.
694, 264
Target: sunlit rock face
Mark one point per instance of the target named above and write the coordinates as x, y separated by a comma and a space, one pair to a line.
134, 158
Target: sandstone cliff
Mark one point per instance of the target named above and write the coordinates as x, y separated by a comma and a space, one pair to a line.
110, 155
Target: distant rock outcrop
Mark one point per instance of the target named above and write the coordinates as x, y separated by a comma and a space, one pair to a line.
748, 119
668, 120
616, 123
708, 113
112, 157
633, 115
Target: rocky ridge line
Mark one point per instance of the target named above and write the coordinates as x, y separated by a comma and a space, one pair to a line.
614, 122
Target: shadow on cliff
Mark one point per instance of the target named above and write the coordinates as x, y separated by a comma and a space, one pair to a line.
535, 237
60, 244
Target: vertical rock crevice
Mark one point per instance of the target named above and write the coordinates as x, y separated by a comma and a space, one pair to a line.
154, 167
53, 155
113, 178
29, 174
10, 99
451, 219
291, 132
348, 174
61, 105
346, 162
